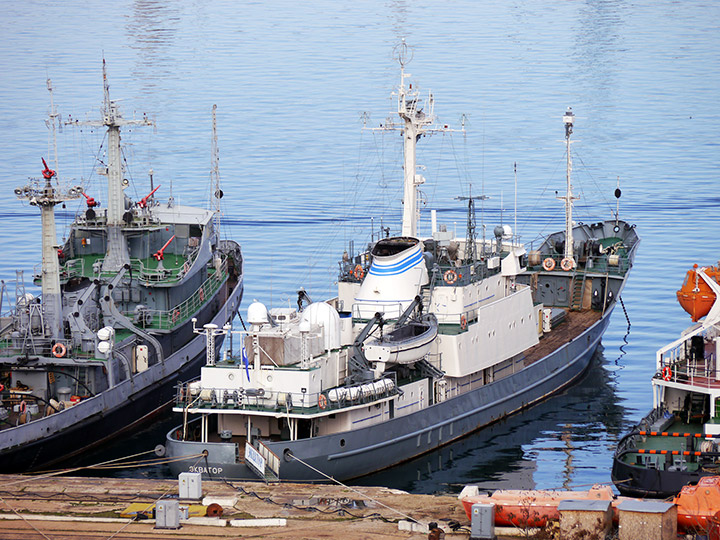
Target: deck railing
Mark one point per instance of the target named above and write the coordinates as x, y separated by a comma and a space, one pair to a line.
167, 319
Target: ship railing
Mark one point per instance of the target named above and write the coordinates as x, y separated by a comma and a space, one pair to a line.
167, 319
272, 461
39, 346
193, 395
677, 363
458, 276
597, 264
629, 442
362, 312
92, 267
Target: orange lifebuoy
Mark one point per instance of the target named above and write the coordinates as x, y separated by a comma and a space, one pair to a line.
567, 264
463, 322
2, 387
358, 272
23, 407
450, 277
667, 373
201, 294
549, 264
59, 350
175, 316
322, 401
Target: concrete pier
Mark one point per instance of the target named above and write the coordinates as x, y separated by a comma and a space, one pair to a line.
74, 508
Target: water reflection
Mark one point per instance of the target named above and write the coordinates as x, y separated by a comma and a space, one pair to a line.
152, 28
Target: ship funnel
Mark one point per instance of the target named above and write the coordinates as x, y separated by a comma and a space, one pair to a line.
397, 273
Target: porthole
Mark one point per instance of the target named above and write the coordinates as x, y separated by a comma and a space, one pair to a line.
342, 443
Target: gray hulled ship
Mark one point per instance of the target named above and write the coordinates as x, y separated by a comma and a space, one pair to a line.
111, 334
427, 340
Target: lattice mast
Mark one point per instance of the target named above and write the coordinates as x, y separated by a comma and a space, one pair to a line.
117, 252
417, 120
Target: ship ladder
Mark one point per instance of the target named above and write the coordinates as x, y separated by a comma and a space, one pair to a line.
576, 300
428, 370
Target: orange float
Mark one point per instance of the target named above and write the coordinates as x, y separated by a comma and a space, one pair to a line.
533, 508
695, 296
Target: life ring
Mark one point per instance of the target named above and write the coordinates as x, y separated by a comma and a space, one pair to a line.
463, 322
450, 277
59, 350
567, 264
322, 401
358, 272
23, 407
175, 316
549, 264
2, 387
667, 373
201, 294
186, 267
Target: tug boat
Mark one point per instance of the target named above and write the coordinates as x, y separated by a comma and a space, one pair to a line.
102, 347
429, 339
677, 442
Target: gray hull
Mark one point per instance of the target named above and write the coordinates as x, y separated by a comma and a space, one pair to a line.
356, 453
54, 439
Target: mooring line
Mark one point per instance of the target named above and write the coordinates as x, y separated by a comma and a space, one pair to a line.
353, 489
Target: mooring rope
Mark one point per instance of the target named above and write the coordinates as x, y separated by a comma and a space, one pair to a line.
353, 489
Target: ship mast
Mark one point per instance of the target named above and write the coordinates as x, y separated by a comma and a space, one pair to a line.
568, 119
117, 252
416, 123
45, 196
215, 175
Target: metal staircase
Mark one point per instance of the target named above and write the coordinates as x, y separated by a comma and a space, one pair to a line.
576, 300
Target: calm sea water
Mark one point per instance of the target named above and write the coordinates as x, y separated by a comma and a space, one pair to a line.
293, 81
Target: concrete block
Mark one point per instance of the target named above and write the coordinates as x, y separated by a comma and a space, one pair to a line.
207, 521
581, 516
647, 520
268, 522
225, 501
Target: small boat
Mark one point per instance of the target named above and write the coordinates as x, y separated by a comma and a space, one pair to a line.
409, 341
531, 508
677, 442
695, 296
429, 338
101, 348
698, 504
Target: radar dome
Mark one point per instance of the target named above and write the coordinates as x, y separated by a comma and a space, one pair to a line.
323, 314
257, 313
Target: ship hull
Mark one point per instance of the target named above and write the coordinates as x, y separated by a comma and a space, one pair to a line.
360, 452
57, 438
643, 482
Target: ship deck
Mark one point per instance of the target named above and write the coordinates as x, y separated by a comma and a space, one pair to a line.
575, 323
666, 449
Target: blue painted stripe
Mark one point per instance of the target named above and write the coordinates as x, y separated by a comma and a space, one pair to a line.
366, 418
380, 269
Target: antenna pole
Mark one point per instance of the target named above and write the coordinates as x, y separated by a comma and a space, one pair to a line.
215, 174
568, 119
515, 171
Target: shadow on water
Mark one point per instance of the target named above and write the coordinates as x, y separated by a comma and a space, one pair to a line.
548, 443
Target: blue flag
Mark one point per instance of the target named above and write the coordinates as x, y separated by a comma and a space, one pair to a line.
246, 361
